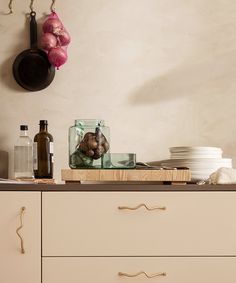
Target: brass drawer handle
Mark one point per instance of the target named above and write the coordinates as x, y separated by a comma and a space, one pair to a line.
142, 205
142, 272
18, 229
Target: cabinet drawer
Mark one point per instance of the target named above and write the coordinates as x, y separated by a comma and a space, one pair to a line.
177, 270
90, 224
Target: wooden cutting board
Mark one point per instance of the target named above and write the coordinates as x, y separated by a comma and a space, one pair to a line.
119, 175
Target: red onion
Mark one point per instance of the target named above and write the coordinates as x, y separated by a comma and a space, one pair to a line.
48, 41
57, 56
64, 38
52, 26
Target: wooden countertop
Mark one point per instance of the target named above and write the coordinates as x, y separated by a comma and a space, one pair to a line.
114, 187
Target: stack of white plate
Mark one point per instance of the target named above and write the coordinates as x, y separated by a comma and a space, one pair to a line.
202, 161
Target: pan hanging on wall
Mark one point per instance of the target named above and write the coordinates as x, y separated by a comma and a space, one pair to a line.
31, 68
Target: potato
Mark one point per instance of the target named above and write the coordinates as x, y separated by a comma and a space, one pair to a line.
83, 146
92, 143
88, 136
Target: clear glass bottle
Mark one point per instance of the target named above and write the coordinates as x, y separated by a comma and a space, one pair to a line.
23, 155
43, 152
89, 140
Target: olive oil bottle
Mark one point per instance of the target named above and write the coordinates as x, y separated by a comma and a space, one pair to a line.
43, 152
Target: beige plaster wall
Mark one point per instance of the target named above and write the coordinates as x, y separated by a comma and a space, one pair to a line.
160, 72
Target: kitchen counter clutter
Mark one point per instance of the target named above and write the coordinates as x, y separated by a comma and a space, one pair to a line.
110, 233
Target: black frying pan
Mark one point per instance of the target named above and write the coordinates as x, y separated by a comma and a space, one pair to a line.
31, 68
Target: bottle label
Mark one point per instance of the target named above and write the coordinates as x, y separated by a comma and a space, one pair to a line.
51, 147
35, 156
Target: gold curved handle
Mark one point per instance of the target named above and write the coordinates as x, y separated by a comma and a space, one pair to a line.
142, 205
142, 272
18, 229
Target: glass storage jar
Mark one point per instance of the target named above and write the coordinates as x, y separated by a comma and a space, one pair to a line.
89, 140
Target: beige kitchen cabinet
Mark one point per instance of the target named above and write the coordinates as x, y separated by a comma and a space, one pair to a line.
171, 237
17, 266
118, 236
101, 224
166, 269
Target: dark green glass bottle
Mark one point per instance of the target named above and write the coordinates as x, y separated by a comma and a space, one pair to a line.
43, 152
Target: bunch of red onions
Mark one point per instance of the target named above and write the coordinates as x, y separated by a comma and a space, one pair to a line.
55, 40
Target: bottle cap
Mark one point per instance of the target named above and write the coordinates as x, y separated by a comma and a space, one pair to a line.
43, 122
23, 127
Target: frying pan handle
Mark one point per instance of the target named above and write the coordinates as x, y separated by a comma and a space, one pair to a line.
33, 31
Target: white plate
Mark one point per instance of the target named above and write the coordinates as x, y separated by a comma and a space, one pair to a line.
199, 160
195, 149
200, 168
195, 155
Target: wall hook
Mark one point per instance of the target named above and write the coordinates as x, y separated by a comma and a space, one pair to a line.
31, 6
52, 7
10, 8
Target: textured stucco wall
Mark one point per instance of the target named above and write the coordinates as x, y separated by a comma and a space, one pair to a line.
160, 72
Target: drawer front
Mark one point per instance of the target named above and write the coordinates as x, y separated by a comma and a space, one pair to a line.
91, 224
176, 270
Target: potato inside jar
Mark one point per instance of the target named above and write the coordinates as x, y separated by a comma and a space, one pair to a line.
94, 145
